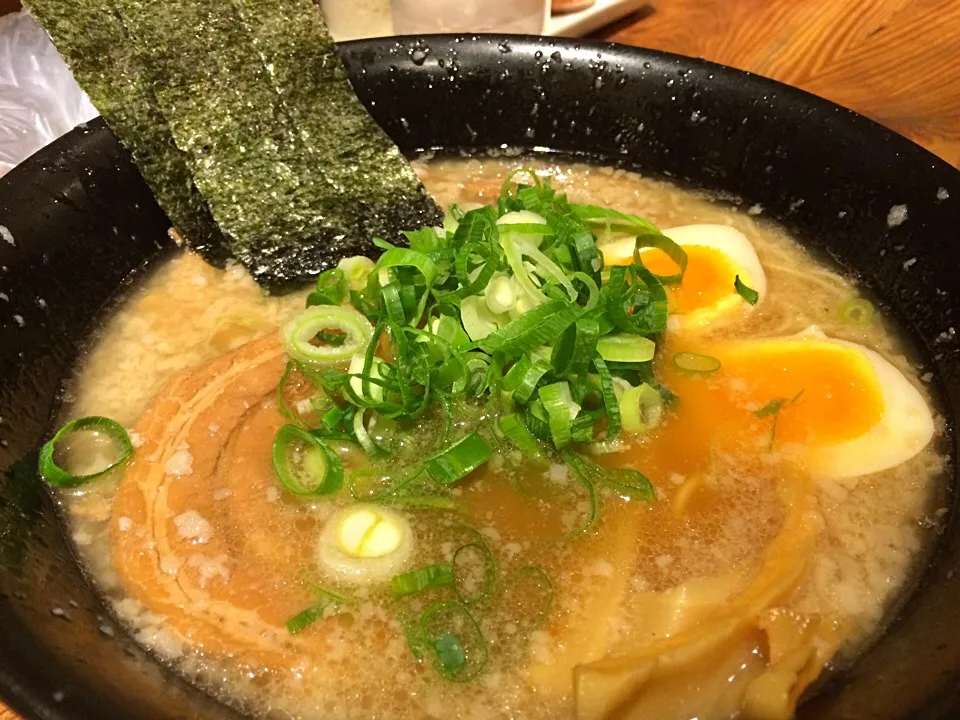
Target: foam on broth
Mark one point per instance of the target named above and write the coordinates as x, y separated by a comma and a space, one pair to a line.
186, 314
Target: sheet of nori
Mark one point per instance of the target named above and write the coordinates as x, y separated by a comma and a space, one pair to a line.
344, 142
224, 113
93, 41
287, 207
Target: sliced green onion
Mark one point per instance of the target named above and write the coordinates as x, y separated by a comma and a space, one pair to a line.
626, 348
561, 410
588, 484
610, 402
57, 476
524, 384
641, 408
331, 289
282, 405
536, 327
857, 312
663, 243
483, 585
305, 618
298, 333
452, 637
506, 190
696, 363
477, 319
458, 460
501, 294
409, 583
401, 257
628, 483
356, 271
305, 464
747, 293
363, 437
587, 330
514, 429
450, 654
448, 329
613, 220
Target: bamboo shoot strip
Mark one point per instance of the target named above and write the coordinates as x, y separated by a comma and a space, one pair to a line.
93, 40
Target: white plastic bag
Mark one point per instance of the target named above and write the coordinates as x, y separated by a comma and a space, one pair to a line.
39, 99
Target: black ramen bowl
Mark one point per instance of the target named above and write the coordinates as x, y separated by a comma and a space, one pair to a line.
83, 222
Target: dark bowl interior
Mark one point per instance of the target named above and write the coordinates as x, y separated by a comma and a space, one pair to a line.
83, 220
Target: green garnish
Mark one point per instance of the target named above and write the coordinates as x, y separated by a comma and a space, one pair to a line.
514, 429
629, 484
626, 348
282, 405
310, 615
475, 572
305, 464
458, 460
59, 477
773, 409
747, 293
299, 334
409, 583
696, 363
331, 288
640, 408
856, 311
452, 638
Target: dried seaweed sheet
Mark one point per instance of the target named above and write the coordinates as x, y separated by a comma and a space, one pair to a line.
305, 70
291, 193
93, 41
224, 113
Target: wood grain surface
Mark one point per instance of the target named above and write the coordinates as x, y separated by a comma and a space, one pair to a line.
896, 61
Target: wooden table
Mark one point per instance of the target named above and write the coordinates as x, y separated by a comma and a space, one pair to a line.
896, 61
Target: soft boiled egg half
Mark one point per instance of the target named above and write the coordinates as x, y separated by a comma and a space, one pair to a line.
716, 256
840, 409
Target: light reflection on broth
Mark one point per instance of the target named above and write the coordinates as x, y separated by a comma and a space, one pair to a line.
740, 556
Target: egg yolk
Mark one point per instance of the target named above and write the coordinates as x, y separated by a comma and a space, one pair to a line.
708, 278
837, 393
765, 395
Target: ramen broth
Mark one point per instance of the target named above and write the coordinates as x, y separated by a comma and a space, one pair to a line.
240, 552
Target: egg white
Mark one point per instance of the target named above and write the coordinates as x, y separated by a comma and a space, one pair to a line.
732, 243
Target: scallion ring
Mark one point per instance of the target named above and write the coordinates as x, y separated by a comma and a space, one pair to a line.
473, 590
856, 311
696, 363
624, 347
640, 408
305, 464
454, 640
57, 476
297, 334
